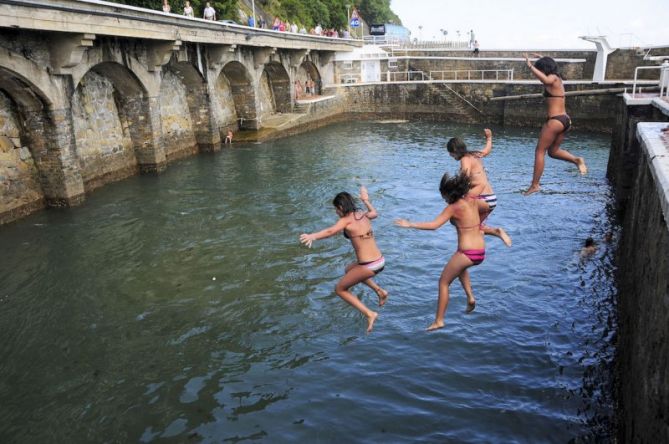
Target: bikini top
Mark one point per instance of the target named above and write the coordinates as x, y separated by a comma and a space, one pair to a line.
478, 227
548, 95
367, 235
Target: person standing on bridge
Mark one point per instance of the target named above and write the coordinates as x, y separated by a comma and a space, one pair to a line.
556, 126
209, 12
188, 10
356, 225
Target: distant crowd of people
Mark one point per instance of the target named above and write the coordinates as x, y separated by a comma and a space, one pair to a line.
209, 13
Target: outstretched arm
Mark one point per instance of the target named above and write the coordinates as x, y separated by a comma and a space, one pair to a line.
438, 221
488, 143
308, 239
364, 197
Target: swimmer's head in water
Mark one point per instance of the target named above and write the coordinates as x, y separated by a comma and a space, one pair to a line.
457, 147
548, 66
345, 203
454, 188
589, 242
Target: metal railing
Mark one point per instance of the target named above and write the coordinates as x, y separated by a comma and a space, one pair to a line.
663, 73
436, 44
472, 74
400, 43
406, 76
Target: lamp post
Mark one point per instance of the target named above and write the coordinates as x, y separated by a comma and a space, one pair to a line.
420, 32
348, 19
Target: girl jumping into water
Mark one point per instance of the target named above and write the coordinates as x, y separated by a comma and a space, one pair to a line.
558, 123
471, 163
356, 226
463, 212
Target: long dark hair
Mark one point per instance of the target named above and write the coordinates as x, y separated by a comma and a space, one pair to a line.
345, 203
454, 188
548, 66
457, 147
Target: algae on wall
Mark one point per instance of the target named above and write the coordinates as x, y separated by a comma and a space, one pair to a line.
19, 178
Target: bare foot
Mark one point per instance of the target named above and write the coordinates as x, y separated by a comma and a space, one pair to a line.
435, 326
580, 163
505, 237
531, 190
383, 296
370, 321
470, 306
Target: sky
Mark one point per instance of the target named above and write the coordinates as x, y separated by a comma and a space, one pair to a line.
538, 24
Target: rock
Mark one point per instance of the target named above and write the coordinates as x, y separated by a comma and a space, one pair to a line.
6, 144
24, 154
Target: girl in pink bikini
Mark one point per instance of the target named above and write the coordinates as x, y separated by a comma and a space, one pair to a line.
356, 225
463, 212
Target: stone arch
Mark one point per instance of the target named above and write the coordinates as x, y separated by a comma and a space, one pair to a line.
196, 94
274, 90
34, 148
114, 127
181, 91
236, 101
308, 70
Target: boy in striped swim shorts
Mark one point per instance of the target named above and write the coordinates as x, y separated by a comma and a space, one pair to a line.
471, 163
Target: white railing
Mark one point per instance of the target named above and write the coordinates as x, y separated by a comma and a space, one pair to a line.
472, 74
636, 74
406, 76
664, 79
437, 44
396, 42
381, 40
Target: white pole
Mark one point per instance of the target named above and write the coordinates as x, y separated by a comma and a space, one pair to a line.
253, 6
348, 20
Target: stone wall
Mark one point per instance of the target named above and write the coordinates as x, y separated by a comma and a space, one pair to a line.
176, 124
266, 103
223, 107
642, 277
103, 144
20, 189
621, 63
570, 71
440, 102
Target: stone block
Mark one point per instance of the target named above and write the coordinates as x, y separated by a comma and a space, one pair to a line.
6, 144
24, 154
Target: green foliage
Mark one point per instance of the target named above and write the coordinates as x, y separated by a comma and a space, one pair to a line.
307, 13
378, 11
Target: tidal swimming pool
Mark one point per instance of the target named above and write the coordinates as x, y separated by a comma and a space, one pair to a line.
183, 307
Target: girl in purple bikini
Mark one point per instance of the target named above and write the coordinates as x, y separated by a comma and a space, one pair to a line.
463, 212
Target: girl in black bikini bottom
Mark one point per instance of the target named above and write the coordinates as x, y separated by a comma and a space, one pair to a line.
564, 119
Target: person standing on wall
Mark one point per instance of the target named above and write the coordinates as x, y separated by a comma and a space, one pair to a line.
209, 12
188, 10
476, 47
472, 39
166, 6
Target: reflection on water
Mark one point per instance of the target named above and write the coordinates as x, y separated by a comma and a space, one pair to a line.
183, 306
